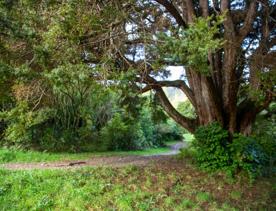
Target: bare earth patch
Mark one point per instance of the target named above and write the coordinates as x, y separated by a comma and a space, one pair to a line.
114, 161
109, 161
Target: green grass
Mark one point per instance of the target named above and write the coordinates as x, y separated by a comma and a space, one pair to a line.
9, 156
236, 195
202, 197
163, 186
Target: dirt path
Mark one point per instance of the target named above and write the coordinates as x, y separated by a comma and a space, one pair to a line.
111, 161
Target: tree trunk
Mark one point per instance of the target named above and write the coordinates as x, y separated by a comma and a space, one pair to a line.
217, 97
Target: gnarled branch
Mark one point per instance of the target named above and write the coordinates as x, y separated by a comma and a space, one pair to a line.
173, 11
248, 22
189, 124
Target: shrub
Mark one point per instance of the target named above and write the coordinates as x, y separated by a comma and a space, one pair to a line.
187, 152
213, 152
23, 125
119, 134
265, 132
211, 147
149, 128
157, 131
247, 154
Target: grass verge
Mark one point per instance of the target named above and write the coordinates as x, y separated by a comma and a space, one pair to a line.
164, 185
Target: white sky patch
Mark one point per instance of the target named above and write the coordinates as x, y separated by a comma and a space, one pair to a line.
177, 72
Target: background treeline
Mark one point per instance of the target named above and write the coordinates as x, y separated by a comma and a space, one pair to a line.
66, 109
61, 91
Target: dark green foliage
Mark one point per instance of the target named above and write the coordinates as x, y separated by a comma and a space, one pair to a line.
265, 132
211, 147
214, 150
83, 115
5, 85
187, 153
122, 134
23, 124
247, 154
168, 131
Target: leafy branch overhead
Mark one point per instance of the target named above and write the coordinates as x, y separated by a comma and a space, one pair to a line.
225, 48
190, 47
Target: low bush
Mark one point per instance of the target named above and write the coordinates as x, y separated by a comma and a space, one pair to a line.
24, 125
265, 132
211, 147
215, 151
187, 152
247, 154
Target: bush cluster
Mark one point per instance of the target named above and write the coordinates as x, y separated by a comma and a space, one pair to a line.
215, 150
211, 147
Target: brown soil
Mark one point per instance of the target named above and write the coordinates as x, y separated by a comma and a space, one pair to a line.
114, 161
110, 161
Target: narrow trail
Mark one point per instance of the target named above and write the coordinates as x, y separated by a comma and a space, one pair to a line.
108, 161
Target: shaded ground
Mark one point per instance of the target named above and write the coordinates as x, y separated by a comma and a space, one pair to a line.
110, 161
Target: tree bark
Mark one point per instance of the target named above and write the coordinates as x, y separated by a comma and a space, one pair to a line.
216, 98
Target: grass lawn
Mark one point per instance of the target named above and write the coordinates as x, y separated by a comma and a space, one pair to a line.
167, 185
9, 156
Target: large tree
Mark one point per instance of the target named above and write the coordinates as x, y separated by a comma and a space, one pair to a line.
235, 80
229, 73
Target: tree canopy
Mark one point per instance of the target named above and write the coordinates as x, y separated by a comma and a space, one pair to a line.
226, 47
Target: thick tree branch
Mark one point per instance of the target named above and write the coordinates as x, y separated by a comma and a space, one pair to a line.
229, 27
247, 112
177, 84
224, 5
204, 7
189, 124
173, 11
190, 11
248, 22
152, 84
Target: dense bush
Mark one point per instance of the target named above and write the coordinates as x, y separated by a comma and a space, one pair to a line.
168, 131
23, 124
211, 147
247, 154
214, 150
122, 134
265, 132
64, 109
53, 113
